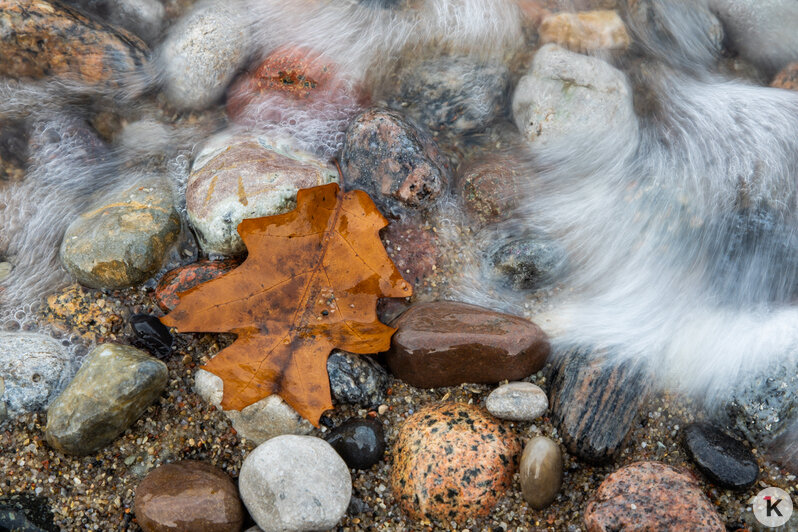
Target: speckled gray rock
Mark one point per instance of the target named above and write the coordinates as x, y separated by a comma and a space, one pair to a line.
452, 94
763, 31
143, 17
528, 264
113, 387
258, 422
295, 483
122, 241
568, 96
540, 472
33, 367
238, 177
517, 401
202, 53
356, 379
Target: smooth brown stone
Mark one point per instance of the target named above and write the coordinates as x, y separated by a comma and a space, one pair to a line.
447, 343
188, 497
541, 472
594, 403
651, 496
42, 39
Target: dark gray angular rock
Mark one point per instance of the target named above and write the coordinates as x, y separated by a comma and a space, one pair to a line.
723, 459
356, 379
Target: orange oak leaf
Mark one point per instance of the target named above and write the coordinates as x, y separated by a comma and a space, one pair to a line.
309, 284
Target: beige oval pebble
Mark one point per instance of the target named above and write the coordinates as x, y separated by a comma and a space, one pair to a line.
541, 472
517, 401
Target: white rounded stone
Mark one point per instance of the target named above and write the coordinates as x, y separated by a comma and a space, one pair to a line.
517, 401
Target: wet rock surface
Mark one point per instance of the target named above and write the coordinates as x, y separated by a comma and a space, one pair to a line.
454, 95
393, 160
541, 472
33, 367
268, 418
122, 241
185, 277
49, 39
723, 459
415, 250
787, 78
448, 343
490, 187
152, 335
24, 512
360, 442
238, 177
112, 388
595, 404
143, 18
530, 263
585, 31
295, 483
452, 461
188, 495
653, 496
356, 379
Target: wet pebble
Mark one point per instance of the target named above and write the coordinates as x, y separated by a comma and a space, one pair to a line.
185, 277
202, 53
393, 160
540, 472
144, 18
113, 387
452, 461
651, 496
595, 403
295, 483
33, 367
242, 176
25, 512
517, 401
585, 31
490, 187
528, 263
787, 78
447, 343
123, 240
188, 495
360, 442
415, 250
453, 94
152, 335
258, 422
723, 459
356, 379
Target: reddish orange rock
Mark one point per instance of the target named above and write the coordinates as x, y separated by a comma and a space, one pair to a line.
452, 461
787, 78
651, 496
189, 276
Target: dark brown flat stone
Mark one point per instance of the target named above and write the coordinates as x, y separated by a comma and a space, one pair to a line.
594, 403
447, 343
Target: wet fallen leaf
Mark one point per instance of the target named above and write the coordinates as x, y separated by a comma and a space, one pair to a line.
309, 284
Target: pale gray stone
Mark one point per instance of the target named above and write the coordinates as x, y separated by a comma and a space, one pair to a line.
295, 483
32, 369
258, 422
540, 472
110, 391
202, 53
568, 97
235, 177
123, 240
517, 401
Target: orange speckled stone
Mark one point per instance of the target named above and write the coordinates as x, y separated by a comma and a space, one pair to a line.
452, 461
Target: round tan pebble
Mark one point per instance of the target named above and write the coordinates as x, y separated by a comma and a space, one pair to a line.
541, 472
451, 462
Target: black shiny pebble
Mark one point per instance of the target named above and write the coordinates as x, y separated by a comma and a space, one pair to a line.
151, 335
724, 460
360, 442
26, 512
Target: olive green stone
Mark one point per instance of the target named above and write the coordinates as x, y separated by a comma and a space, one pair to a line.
113, 387
123, 241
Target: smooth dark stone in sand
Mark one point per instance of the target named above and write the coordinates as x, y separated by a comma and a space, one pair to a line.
49, 39
356, 379
188, 497
152, 335
186, 277
447, 343
594, 403
651, 496
451, 462
360, 442
393, 160
723, 459
23, 512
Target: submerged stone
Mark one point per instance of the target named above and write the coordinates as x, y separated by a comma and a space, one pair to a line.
152, 335
585, 31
